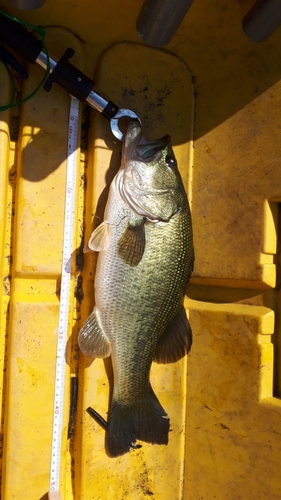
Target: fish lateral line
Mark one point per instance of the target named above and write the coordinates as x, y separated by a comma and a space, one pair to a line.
104, 424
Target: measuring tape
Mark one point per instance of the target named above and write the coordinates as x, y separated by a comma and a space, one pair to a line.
70, 195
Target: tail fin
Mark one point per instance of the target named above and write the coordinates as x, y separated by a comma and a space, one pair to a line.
146, 420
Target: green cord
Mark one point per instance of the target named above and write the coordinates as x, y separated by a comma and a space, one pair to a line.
41, 34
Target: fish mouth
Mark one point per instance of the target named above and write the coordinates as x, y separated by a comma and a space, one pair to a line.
150, 149
136, 147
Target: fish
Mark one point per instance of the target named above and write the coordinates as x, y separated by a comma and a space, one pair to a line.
145, 261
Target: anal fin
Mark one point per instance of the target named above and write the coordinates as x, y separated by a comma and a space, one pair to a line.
176, 342
91, 338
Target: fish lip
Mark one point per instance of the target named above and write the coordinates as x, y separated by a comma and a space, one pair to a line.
133, 137
133, 123
133, 134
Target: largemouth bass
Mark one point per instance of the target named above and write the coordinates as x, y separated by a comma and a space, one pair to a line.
145, 261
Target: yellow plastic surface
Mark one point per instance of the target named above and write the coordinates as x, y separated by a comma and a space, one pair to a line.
233, 423
218, 95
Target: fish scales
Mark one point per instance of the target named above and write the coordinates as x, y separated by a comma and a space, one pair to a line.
139, 300
139, 307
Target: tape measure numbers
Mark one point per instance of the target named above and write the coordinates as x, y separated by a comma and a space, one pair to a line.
69, 218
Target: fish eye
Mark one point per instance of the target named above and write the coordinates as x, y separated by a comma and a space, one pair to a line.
171, 161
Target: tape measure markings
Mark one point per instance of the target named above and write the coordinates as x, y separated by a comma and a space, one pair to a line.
69, 216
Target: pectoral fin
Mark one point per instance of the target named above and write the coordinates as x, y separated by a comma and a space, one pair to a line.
132, 244
176, 342
99, 239
92, 340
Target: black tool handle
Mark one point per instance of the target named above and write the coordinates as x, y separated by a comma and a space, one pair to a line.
7, 57
70, 78
19, 39
110, 110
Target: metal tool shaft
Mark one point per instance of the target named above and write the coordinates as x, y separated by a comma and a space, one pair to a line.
94, 99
